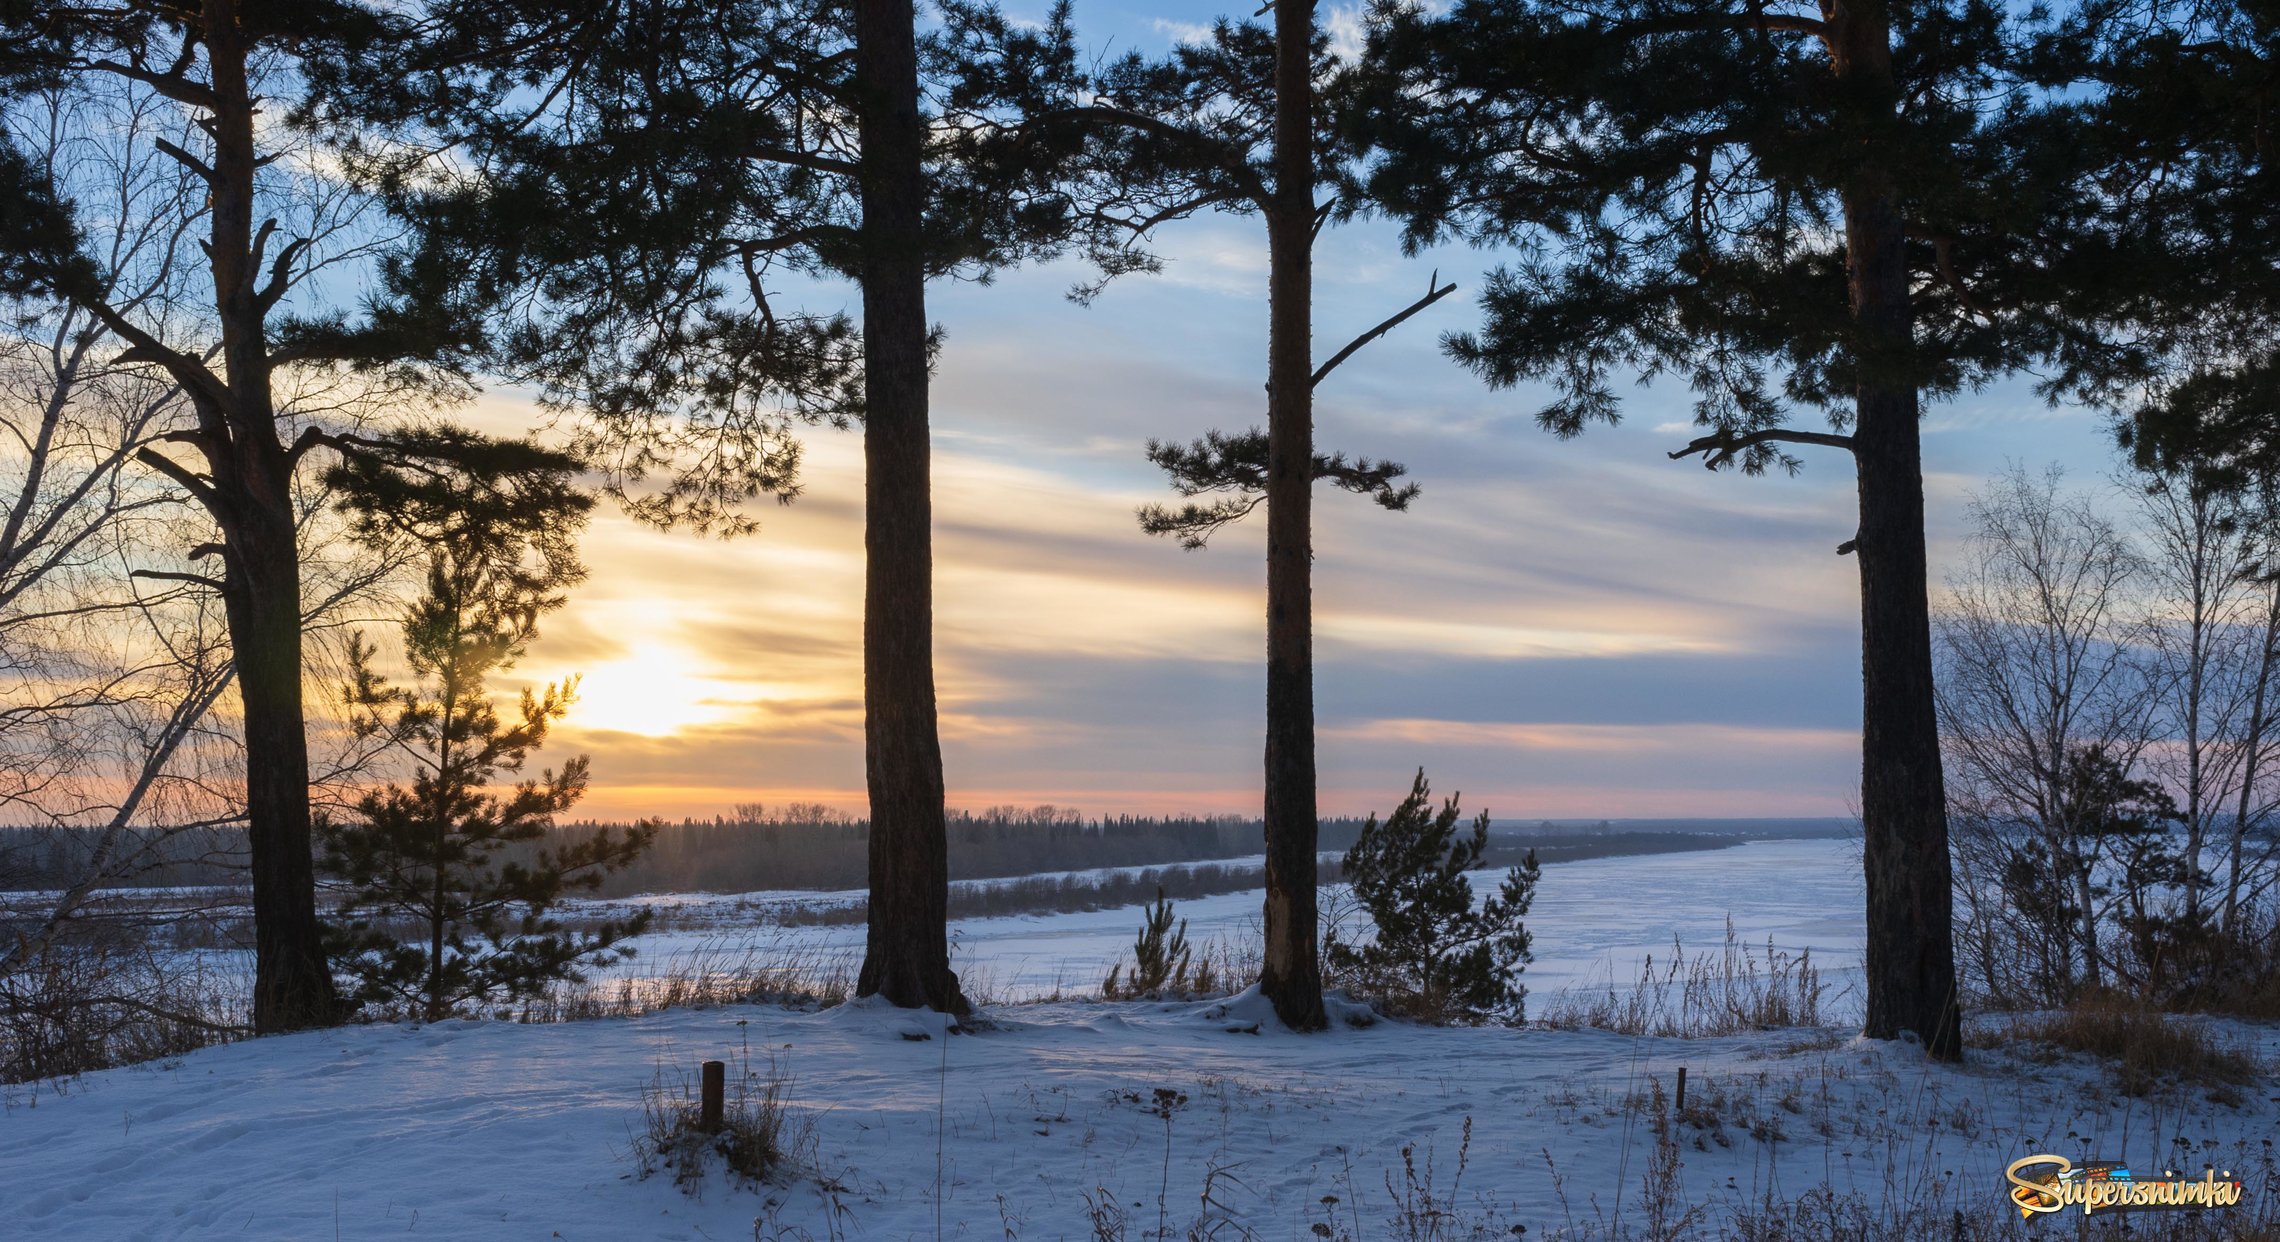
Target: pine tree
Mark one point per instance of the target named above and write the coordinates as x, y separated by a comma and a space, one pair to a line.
234, 70
1236, 123
1850, 209
1433, 955
652, 179
2183, 136
445, 884
2131, 827
1159, 955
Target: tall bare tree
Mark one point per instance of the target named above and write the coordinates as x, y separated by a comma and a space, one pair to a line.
268, 215
2207, 630
2038, 667
109, 678
2252, 863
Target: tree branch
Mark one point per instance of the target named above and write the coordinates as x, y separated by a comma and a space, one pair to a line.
143, 347
1719, 447
1434, 295
280, 273
340, 442
187, 160
805, 159
161, 575
1179, 210
1245, 177
1943, 253
199, 489
171, 84
1194, 524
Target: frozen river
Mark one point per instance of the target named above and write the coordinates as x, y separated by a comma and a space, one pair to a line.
1594, 923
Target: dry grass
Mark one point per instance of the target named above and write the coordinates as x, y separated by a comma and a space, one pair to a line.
2148, 1050
73, 1009
2237, 974
1901, 1209
702, 978
756, 1141
1725, 992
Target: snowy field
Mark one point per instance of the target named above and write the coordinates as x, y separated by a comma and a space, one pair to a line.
1047, 1120
1595, 922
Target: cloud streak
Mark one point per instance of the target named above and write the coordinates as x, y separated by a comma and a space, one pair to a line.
1559, 629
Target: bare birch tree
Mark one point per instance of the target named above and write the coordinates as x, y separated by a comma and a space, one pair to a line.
120, 731
2034, 641
2207, 631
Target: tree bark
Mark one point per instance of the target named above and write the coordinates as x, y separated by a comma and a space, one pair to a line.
1292, 975
1910, 963
2082, 852
2258, 724
907, 953
440, 811
252, 474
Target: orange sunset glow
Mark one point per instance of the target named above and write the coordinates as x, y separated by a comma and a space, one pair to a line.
1558, 629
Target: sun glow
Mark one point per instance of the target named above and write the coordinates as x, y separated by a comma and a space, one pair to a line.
653, 691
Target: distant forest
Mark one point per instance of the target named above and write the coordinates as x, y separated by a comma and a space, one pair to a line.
813, 847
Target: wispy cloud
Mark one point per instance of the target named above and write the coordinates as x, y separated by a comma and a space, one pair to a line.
1181, 32
1579, 628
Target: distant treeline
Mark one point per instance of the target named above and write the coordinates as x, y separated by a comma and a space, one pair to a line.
1069, 894
815, 848
803, 847
744, 855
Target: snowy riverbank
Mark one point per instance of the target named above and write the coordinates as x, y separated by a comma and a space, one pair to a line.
1039, 1123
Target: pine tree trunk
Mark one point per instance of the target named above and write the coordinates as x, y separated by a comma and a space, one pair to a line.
1911, 956
447, 788
1292, 975
1910, 963
252, 474
907, 955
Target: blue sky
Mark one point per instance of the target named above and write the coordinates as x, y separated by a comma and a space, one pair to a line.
1557, 628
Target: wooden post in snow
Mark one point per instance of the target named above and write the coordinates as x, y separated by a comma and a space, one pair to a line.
715, 1091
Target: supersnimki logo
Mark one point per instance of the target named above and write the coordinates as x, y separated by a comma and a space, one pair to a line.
2042, 1184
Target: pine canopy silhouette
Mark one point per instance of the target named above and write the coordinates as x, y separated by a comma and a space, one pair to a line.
662, 188
1841, 210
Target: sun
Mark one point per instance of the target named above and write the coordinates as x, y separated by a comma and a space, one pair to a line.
653, 691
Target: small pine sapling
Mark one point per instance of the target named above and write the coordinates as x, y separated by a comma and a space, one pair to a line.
1159, 955
445, 884
1434, 955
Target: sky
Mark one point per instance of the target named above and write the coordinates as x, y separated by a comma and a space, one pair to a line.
1557, 629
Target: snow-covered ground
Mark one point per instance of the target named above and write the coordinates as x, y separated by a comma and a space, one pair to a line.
1047, 1120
